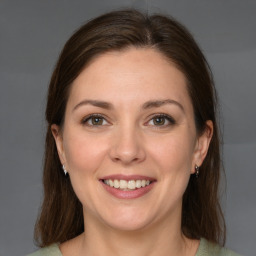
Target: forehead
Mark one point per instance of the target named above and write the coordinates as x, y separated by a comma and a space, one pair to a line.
132, 74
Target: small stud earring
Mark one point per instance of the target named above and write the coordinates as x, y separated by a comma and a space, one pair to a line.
64, 169
197, 171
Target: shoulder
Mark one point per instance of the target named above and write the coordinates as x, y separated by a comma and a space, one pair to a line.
52, 250
207, 248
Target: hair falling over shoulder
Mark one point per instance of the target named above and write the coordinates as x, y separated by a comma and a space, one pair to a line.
61, 213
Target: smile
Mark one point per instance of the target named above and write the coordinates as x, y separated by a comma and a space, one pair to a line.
127, 185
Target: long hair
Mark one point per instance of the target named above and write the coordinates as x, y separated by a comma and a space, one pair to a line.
61, 215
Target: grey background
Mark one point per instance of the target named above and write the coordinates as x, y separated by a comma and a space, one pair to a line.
32, 34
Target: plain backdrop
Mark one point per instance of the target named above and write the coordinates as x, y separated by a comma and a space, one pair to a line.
32, 34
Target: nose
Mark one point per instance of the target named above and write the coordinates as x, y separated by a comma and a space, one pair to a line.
127, 147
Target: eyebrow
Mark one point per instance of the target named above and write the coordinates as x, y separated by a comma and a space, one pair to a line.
96, 103
146, 105
159, 103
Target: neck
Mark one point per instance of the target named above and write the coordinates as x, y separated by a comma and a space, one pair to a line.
160, 239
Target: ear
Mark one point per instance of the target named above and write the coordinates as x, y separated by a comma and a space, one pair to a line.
202, 145
56, 132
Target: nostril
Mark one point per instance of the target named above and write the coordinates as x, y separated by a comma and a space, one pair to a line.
126, 160
127, 149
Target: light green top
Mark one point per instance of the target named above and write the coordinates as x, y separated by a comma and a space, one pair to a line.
205, 249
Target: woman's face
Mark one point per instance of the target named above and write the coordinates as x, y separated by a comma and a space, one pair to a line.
129, 123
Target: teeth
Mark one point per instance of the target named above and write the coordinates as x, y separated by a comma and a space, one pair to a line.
138, 184
123, 184
127, 185
111, 183
131, 184
116, 184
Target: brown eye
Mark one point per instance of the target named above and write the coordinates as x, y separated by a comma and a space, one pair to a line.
96, 120
159, 120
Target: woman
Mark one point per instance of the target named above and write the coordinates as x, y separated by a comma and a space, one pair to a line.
132, 160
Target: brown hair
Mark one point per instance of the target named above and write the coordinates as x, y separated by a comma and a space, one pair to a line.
61, 216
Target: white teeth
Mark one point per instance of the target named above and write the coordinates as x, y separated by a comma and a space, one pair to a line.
131, 184
116, 184
127, 185
138, 183
111, 183
123, 184
106, 182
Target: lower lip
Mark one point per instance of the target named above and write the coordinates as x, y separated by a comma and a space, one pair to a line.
129, 194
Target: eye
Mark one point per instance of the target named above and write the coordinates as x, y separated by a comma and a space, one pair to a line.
161, 120
94, 120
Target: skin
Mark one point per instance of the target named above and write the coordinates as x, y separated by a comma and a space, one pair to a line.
128, 140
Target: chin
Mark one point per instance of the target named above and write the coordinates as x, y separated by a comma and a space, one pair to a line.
128, 221
129, 226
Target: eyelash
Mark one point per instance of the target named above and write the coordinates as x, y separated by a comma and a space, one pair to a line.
86, 119
166, 117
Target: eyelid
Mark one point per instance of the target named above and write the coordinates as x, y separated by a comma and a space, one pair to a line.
85, 119
169, 118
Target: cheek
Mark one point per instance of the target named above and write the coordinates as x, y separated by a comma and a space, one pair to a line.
84, 152
174, 156
84, 157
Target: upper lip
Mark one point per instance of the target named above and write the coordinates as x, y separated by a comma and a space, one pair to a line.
127, 177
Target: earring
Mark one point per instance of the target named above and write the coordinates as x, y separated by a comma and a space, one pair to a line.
64, 169
197, 171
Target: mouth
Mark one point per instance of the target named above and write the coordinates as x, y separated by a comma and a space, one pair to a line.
127, 185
